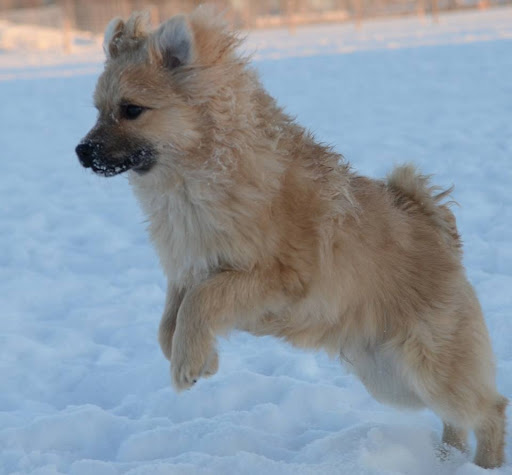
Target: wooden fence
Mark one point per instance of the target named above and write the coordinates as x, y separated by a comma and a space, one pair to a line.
93, 15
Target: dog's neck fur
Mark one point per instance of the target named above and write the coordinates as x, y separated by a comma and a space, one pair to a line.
193, 232
196, 216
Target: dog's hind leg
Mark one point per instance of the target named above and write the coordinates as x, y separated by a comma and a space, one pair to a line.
455, 437
454, 376
469, 405
490, 435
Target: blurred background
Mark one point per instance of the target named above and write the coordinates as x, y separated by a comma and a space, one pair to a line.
59, 21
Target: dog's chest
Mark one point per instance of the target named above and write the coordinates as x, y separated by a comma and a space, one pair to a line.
185, 238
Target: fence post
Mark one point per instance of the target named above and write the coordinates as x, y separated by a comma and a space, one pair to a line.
421, 9
68, 22
154, 15
435, 11
290, 7
358, 12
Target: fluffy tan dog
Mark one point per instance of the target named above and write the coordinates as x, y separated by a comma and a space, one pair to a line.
260, 228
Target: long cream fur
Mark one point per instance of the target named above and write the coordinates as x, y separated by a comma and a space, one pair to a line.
260, 228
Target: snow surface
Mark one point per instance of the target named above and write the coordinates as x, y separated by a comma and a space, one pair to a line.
85, 389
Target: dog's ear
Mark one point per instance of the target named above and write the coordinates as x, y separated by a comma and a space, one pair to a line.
121, 36
172, 44
113, 33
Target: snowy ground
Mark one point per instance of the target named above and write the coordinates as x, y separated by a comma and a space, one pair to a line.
85, 389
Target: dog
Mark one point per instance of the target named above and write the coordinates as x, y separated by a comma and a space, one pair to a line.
260, 228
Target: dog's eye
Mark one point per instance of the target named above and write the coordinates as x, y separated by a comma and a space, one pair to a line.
131, 111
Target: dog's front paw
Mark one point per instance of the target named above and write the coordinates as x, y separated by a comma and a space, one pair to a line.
212, 364
192, 359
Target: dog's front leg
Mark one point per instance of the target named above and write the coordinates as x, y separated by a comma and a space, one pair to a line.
168, 322
215, 306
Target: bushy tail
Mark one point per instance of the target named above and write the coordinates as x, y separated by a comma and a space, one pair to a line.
414, 193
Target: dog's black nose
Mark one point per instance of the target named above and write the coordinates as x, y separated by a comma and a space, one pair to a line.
85, 152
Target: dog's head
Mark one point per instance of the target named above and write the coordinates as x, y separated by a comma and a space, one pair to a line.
151, 95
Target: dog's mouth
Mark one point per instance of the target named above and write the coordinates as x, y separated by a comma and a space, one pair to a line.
140, 162
91, 155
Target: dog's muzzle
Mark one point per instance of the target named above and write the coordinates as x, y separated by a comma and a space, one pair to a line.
93, 155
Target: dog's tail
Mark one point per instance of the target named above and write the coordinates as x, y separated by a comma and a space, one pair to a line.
414, 193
